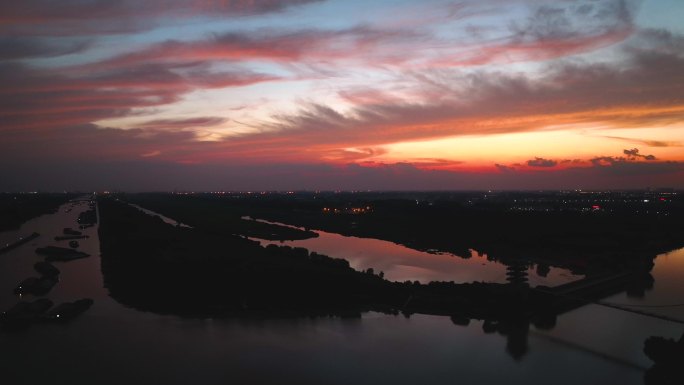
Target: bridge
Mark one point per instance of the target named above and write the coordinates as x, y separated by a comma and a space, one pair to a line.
593, 289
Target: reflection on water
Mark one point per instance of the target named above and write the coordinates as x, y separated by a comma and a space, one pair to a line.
622, 334
162, 217
400, 263
111, 344
667, 295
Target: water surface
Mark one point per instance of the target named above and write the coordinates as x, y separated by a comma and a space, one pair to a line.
401, 263
165, 219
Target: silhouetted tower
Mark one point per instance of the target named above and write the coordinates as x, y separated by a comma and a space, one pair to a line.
516, 272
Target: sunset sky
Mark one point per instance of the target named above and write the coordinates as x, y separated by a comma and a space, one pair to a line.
305, 94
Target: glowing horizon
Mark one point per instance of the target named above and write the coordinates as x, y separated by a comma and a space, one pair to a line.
282, 94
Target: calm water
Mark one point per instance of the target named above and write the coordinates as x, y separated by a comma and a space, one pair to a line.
111, 344
400, 263
165, 219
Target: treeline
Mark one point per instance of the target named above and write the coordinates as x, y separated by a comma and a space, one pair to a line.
16, 209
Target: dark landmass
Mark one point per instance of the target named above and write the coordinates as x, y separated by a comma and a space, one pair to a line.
16, 209
151, 265
588, 233
202, 272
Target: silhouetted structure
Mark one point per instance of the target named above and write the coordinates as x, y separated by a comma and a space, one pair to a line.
516, 273
668, 358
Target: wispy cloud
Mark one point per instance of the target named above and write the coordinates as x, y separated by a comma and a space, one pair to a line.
35, 99
160, 124
647, 142
338, 93
643, 91
78, 17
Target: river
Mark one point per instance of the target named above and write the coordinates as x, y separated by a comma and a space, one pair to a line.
401, 263
112, 344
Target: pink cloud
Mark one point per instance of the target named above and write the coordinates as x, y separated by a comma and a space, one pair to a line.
34, 98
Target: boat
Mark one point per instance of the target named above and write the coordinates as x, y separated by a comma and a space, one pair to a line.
24, 313
44, 285
68, 310
46, 269
70, 231
25, 285
36, 286
18, 242
70, 237
54, 253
